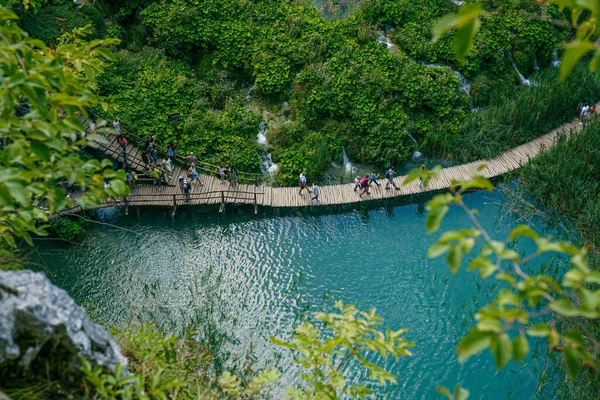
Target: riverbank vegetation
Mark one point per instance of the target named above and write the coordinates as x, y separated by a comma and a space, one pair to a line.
320, 83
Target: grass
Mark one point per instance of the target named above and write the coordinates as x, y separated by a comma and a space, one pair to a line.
565, 179
513, 119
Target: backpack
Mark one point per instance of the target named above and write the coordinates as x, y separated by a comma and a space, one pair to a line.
186, 184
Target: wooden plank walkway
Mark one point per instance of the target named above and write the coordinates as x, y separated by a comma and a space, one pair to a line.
214, 192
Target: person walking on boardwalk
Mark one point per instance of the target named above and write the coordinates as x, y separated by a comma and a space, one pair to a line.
122, 141
108, 196
584, 112
193, 174
131, 178
356, 183
390, 175
364, 184
315, 190
171, 152
117, 125
222, 174
191, 159
373, 179
302, 183
156, 177
152, 153
233, 176
168, 167
185, 186
422, 168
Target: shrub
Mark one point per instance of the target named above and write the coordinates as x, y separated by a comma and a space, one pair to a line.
68, 229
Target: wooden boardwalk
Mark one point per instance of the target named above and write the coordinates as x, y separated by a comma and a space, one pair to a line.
214, 192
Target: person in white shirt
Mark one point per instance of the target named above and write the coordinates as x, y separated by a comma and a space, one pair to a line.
584, 112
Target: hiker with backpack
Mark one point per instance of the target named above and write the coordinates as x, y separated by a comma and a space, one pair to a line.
185, 187
122, 141
364, 184
390, 175
131, 180
302, 183
233, 173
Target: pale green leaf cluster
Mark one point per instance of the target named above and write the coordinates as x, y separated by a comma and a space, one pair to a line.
43, 91
344, 337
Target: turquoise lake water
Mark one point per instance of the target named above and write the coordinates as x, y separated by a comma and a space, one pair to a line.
274, 271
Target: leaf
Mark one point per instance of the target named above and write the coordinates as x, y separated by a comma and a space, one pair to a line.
465, 36
474, 342
501, 348
573, 52
564, 307
444, 392
444, 24
573, 363
434, 218
523, 230
460, 393
539, 330
520, 348
454, 258
437, 249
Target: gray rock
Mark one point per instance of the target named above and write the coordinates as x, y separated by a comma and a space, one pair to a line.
34, 313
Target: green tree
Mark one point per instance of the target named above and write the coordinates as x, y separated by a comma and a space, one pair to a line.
44, 90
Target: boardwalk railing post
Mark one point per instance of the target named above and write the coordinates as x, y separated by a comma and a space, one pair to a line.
256, 180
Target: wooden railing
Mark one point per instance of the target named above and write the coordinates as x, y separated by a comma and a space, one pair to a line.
174, 200
201, 166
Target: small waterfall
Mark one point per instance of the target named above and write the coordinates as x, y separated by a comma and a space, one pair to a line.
524, 81
252, 89
267, 165
458, 2
463, 83
555, 59
348, 167
417, 155
381, 38
536, 67
262, 137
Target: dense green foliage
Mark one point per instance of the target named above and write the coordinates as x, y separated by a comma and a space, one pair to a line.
227, 65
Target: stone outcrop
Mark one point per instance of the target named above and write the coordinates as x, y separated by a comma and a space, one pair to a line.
36, 316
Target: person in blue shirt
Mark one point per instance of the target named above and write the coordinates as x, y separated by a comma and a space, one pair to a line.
315, 190
374, 177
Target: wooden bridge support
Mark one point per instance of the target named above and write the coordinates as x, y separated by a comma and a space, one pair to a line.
174, 205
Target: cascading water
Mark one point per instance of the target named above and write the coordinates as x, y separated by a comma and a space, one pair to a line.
555, 59
381, 38
524, 81
417, 155
348, 167
458, 2
463, 83
267, 165
252, 89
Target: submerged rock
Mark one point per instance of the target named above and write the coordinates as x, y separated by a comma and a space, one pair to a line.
36, 315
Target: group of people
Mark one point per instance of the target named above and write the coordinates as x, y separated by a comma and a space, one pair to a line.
314, 190
366, 181
586, 112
